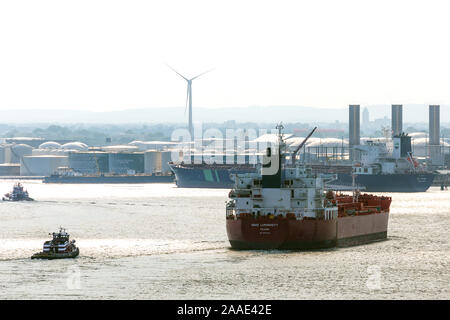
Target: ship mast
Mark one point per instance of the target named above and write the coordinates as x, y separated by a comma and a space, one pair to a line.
355, 188
280, 128
281, 143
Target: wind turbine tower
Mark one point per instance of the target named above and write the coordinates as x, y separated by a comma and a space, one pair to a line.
189, 97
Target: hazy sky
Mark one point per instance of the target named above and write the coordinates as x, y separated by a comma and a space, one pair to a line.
111, 55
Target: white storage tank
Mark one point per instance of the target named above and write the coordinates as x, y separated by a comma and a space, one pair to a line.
43, 165
5, 153
18, 151
152, 161
166, 157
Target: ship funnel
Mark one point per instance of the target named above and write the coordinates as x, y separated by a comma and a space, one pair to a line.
271, 166
402, 146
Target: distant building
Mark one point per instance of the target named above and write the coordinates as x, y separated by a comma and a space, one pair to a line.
365, 118
382, 122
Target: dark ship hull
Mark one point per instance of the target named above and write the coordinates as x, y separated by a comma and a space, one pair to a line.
110, 179
207, 176
408, 182
265, 233
218, 176
358, 221
52, 255
15, 199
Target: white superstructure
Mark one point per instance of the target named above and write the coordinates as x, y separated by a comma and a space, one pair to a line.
277, 191
302, 194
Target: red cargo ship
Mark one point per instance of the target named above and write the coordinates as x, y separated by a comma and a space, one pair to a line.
289, 208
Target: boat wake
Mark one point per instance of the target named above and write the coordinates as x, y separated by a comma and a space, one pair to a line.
120, 248
16, 249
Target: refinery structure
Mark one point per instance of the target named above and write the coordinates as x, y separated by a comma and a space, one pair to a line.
429, 146
49, 157
38, 157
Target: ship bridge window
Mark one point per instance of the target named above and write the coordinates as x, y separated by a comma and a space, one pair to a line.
365, 170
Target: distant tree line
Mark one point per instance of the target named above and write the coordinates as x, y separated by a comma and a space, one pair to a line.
102, 134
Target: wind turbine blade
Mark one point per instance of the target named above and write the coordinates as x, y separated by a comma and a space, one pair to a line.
177, 72
201, 74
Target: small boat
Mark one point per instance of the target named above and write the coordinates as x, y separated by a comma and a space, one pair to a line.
18, 194
60, 247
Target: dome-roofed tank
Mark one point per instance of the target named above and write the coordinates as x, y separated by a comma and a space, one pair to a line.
50, 145
21, 146
136, 142
120, 148
152, 145
79, 146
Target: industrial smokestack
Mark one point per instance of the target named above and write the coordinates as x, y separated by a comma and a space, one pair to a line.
354, 129
397, 119
434, 133
434, 128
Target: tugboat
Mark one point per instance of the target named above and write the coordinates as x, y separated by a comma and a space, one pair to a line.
290, 208
60, 247
18, 194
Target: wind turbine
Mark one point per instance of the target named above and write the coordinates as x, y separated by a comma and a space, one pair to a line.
189, 97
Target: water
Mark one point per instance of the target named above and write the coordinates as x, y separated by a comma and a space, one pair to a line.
155, 241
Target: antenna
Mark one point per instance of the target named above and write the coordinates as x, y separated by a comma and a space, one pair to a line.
189, 97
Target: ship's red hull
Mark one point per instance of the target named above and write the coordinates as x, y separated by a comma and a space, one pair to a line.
283, 233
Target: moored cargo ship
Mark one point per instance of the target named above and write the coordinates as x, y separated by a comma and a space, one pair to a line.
289, 208
379, 170
207, 175
392, 182
389, 169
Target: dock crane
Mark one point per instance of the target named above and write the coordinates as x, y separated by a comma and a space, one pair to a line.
301, 145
